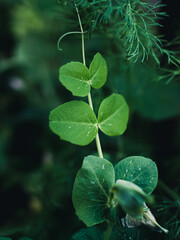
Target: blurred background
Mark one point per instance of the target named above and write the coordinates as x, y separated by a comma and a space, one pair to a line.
37, 170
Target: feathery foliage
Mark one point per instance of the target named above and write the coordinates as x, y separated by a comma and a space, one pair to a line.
132, 22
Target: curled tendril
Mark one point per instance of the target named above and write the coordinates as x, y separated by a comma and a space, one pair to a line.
68, 33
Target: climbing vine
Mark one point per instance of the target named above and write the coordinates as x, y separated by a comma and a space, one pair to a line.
101, 188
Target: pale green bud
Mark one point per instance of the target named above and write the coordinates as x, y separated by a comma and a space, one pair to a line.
129, 196
132, 200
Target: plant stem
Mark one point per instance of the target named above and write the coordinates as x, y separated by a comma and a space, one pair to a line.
107, 234
98, 143
82, 32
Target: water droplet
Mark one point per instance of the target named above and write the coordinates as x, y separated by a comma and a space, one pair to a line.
69, 126
92, 182
139, 169
103, 167
126, 170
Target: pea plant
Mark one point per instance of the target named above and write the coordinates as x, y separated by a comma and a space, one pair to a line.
100, 188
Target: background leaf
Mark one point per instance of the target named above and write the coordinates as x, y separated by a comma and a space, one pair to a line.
88, 234
74, 122
25, 238
113, 115
139, 170
165, 102
138, 87
5, 238
75, 76
98, 71
91, 190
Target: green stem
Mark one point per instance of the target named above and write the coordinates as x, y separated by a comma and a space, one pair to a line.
82, 32
107, 234
98, 143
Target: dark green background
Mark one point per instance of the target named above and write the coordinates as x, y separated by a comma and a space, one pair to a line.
37, 170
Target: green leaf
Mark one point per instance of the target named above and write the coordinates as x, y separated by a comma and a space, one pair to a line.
98, 71
75, 77
74, 122
113, 115
91, 190
88, 234
139, 170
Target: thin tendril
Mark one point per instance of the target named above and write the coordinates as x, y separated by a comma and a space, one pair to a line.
68, 33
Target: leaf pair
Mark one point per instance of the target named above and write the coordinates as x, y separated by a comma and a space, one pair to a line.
78, 79
95, 179
76, 122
